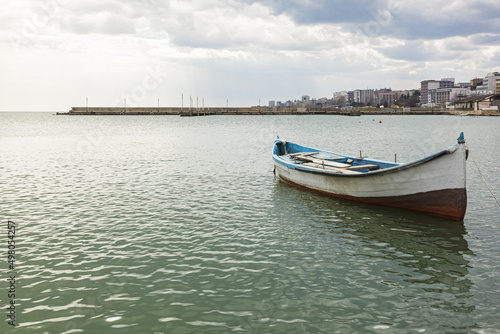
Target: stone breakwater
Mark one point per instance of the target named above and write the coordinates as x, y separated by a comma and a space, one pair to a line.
251, 111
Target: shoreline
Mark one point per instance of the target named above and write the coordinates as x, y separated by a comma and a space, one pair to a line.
183, 112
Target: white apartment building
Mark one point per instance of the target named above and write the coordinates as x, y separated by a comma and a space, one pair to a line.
489, 84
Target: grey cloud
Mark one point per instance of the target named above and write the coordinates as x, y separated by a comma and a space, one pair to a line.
415, 51
325, 11
425, 51
420, 28
486, 39
429, 21
405, 21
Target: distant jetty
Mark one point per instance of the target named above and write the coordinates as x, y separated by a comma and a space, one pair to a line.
193, 112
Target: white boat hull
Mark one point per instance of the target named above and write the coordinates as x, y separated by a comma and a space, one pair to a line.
434, 186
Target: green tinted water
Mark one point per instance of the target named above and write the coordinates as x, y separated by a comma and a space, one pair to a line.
162, 224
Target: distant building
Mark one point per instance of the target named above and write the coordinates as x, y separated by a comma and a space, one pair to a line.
350, 97
476, 82
489, 84
306, 98
429, 90
447, 83
385, 96
444, 95
479, 102
426, 88
340, 99
272, 104
462, 85
364, 96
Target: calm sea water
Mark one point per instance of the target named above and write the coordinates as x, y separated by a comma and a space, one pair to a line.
163, 224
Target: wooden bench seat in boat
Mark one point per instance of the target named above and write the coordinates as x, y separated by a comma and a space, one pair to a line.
302, 153
321, 161
321, 166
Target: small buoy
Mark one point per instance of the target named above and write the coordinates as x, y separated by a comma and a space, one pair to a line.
380, 121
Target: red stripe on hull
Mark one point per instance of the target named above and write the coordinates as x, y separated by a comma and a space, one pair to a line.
450, 203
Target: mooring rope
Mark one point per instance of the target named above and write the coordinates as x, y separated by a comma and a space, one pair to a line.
484, 180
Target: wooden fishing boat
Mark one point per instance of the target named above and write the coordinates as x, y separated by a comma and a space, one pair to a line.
434, 184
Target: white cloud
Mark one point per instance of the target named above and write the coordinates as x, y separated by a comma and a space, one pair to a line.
103, 23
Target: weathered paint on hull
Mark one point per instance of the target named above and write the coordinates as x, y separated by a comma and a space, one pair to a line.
451, 203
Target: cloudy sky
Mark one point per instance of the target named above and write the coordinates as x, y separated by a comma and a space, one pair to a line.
56, 53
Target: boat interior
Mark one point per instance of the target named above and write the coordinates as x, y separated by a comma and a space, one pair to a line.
307, 157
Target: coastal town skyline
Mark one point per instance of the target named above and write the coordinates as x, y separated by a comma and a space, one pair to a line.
57, 54
431, 93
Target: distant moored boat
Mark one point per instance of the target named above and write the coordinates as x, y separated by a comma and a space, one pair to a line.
434, 184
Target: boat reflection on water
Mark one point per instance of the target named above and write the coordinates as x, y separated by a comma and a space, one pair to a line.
425, 257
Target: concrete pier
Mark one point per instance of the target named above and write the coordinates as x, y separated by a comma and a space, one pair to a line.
193, 111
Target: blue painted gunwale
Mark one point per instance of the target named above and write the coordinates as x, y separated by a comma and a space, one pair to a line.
385, 166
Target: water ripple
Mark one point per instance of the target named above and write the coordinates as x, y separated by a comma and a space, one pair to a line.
174, 228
